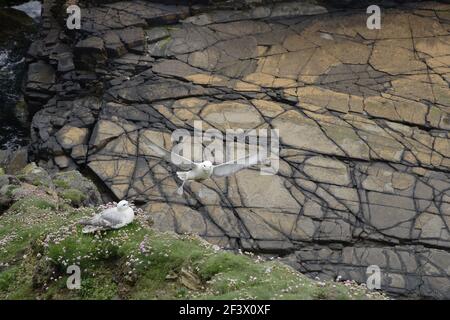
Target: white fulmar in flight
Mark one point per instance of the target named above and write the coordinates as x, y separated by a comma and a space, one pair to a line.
200, 171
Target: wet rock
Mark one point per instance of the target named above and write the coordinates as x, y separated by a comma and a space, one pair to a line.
65, 62
156, 34
132, 37
114, 46
41, 76
119, 15
90, 52
40, 84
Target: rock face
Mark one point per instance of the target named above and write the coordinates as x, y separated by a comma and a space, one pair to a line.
362, 115
35, 184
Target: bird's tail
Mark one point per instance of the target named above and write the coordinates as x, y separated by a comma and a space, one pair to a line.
182, 175
180, 189
91, 229
89, 225
84, 222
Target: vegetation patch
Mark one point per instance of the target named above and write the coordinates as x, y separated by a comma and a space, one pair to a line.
32, 203
40, 241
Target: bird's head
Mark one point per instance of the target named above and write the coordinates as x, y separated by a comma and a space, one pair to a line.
206, 164
122, 205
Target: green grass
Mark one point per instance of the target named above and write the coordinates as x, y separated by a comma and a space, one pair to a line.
61, 183
10, 190
40, 241
7, 277
32, 202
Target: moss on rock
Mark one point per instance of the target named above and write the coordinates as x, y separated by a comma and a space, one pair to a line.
35, 175
74, 196
73, 186
30, 203
61, 184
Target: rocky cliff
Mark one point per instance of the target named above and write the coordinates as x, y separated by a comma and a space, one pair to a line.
362, 114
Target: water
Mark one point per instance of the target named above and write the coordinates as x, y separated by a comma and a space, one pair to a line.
12, 68
14, 133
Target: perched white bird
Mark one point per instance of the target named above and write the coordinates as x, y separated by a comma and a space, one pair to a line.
112, 218
200, 171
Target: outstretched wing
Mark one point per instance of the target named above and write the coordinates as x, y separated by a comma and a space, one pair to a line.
172, 157
228, 168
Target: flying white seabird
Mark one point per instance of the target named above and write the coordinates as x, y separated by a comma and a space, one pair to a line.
112, 218
200, 171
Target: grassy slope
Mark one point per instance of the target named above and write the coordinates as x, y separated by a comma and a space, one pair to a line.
38, 242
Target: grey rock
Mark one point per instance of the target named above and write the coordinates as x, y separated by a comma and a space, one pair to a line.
90, 52
132, 37
12, 161
114, 46
73, 182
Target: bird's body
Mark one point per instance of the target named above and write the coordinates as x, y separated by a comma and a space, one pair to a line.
112, 218
200, 172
